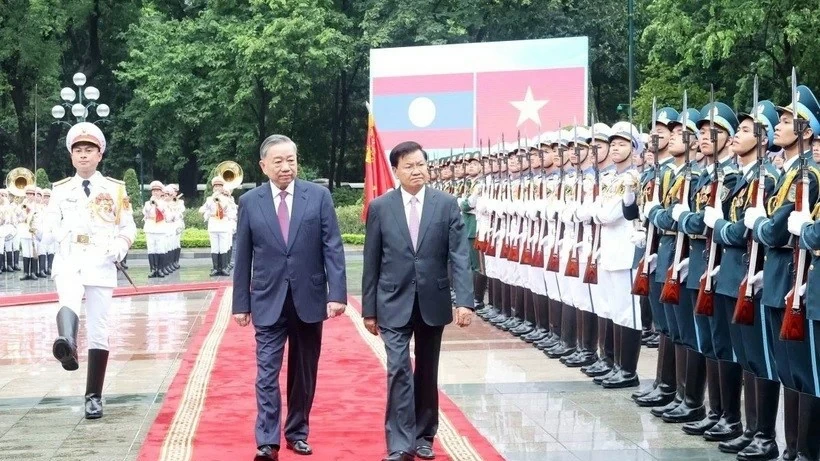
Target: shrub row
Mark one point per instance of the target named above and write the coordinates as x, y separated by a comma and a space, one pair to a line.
198, 238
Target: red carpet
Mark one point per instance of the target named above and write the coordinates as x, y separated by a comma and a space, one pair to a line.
210, 408
51, 297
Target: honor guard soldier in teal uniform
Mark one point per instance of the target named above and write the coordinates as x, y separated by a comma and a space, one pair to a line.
666, 151
806, 225
687, 403
468, 211
794, 360
755, 134
717, 126
85, 218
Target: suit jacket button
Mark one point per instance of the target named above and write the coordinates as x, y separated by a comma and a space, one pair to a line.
416, 258
413, 282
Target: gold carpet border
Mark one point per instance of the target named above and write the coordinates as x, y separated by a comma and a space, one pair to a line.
178, 443
457, 446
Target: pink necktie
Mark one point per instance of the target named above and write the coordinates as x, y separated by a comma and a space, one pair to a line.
282, 213
414, 221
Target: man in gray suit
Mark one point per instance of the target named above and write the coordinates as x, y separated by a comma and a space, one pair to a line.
413, 234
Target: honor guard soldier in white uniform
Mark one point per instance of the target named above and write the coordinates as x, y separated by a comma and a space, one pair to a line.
173, 217
85, 218
178, 207
154, 212
26, 227
219, 211
8, 230
48, 248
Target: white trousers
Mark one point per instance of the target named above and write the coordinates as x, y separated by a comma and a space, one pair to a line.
155, 243
624, 308
220, 242
8, 245
27, 248
70, 291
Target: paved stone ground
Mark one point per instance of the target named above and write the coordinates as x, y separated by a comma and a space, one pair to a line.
529, 407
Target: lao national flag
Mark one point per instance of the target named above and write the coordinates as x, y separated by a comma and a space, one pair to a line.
450, 96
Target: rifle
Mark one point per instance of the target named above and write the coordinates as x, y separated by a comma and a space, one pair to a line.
528, 256
705, 303
554, 262
495, 220
573, 269
794, 319
670, 294
640, 287
516, 221
744, 307
591, 272
541, 233
506, 193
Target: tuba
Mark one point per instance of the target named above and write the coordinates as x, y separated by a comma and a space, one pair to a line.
231, 173
17, 180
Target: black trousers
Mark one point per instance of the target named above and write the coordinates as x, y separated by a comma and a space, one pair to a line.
305, 344
411, 419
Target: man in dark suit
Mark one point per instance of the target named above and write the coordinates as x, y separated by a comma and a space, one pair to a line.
413, 234
289, 277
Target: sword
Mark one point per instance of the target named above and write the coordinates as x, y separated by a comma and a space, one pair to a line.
127, 277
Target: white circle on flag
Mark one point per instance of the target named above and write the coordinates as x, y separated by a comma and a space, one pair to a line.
422, 112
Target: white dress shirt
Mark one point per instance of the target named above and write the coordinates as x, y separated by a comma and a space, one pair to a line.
405, 198
288, 199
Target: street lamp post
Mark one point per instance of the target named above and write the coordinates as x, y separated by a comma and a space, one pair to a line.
79, 109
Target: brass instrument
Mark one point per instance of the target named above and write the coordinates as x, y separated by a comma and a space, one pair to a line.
17, 180
231, 173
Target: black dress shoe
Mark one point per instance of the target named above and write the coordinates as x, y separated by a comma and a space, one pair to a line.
267, 453
425, 452
300, 447
400, 456
737, 444
93, 407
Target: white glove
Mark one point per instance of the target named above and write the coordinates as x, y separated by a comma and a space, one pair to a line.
802, 291
568, 212
797, 220
756, 282
118, 250
532, 211
584, 213
711, 215
678, 210
651, 262
683, 269
648, 206
713, 273
629, 196
752, 215
638, 238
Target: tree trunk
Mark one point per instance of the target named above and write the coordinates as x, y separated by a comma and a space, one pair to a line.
189, 177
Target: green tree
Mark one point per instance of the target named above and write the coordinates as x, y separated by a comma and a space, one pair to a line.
132, 185
41, 179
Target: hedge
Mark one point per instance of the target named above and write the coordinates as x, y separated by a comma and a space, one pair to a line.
198, 238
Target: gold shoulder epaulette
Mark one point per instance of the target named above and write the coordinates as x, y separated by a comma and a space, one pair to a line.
62, 181
114, 180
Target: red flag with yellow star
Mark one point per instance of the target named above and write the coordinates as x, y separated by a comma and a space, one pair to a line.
378, 178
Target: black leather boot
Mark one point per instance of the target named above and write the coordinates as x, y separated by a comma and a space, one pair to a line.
715, 405
646, 390
680, 381
9, 256
175, 262
65, 346
152, 265
97, 363
42, 263
791, 422
664, 391
587, 342
28, 269
223, 265
569, 334
16, 260
808, 437
728, 426
764, 446
750, 409
629, 352
692, 408
50, 263
215, 263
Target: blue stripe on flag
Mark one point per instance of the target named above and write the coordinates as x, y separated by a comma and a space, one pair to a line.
452, 111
